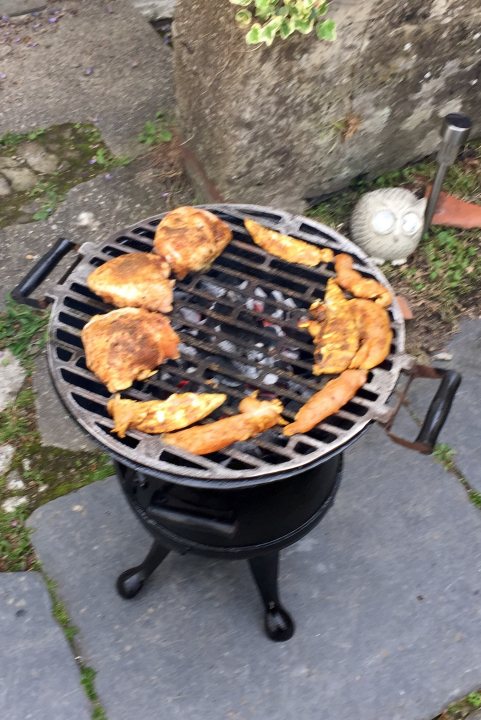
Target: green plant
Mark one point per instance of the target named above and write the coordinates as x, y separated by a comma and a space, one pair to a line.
474, 699
267, 19
444, 454
22, 329
156, 131
16, 552
59, 611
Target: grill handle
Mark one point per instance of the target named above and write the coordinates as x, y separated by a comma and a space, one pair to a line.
39, 272
438, 410
191, 520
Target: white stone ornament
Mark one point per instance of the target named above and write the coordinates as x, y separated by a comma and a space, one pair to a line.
388, 224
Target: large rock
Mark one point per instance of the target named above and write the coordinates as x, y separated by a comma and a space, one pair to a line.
276, 125
155, 9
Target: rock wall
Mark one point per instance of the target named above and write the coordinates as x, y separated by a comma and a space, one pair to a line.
155, 9
279, 125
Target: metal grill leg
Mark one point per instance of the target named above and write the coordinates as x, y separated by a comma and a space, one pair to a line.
130, 582
279, 625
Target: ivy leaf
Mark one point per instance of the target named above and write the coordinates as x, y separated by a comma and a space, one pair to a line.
303, 26
253, 37
245, 3
268, 32
243, 18
286, 28
326, 30
321, 10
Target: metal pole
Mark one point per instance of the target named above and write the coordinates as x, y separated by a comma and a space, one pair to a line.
455, 131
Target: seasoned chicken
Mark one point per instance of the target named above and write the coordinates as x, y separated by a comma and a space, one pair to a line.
158, 416
255, 417
357, 285
134, 280
335, 332
126, 345
286, 247
333, 396
190, 239
375, 334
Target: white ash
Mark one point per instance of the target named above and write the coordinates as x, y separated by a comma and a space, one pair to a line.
243, 285
187, 350
215, 290
270, 379
259, 292
227, 346
278, 314
192, 316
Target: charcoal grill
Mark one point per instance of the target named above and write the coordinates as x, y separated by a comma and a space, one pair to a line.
238, 325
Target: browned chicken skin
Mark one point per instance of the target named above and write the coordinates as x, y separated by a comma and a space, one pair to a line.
254, 417
335, 331
333, 396
190, 239
287, 248
158, 416
375, 334
126, 345
134, 280
357, 285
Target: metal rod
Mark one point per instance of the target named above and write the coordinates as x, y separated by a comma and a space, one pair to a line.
454, 133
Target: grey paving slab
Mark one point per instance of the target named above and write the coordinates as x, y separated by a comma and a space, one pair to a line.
386, 594
463, 427
56, 426
120, 74
39, 679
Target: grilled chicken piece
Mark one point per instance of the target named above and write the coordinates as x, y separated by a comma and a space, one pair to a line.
158, 416
255, 417
190, 239
375, 334
128, 344
333, 396
357, 285
286, 247
134, 280
335, 331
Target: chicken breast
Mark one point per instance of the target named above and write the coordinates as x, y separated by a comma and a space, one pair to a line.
158, 416
337, 338
358, 285
286, 247
128, 344
254, 417
190, 239
134, 280
375, 334
333, 396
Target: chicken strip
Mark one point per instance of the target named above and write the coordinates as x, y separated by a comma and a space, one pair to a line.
128, 344
286, 247
190, 239
338, 338
134, 280
375, 334
357, 285
158, 416
255, 417
333, 396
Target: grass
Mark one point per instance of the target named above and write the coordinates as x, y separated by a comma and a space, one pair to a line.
23, 331
156, 131
444, 454
87, 674
462, 708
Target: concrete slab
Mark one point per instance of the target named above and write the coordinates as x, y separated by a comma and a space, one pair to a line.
386, 594
38, 675
56, 426
463, 427
120, 74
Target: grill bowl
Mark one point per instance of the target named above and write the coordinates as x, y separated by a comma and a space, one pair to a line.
238, 328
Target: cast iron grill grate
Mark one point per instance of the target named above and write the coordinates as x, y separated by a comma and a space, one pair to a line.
238, 328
